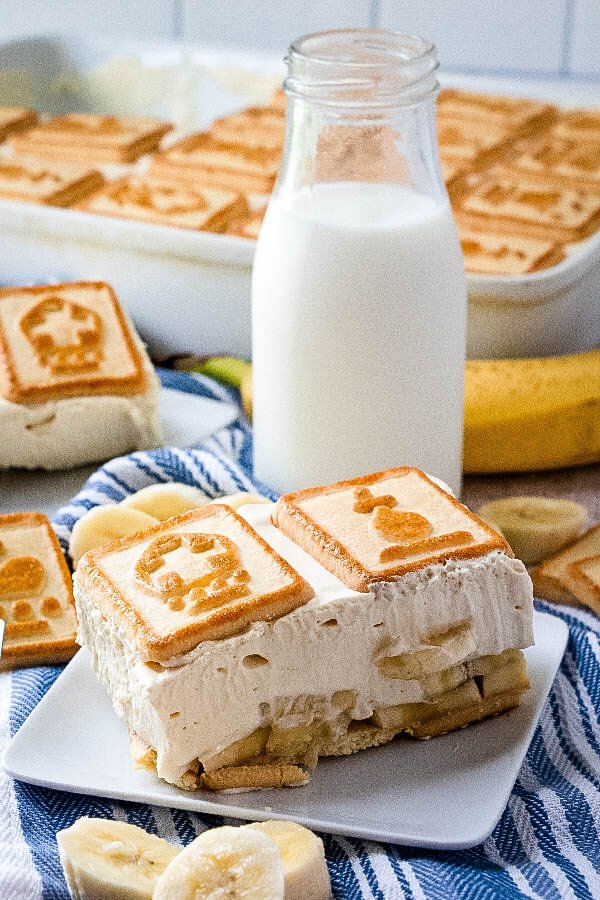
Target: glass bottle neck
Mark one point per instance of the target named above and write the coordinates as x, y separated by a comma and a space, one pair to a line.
393, 144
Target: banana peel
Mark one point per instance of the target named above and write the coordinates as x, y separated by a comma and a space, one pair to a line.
521, 415
526, 415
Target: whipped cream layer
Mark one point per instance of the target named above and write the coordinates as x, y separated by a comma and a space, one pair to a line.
288, 671
70, 431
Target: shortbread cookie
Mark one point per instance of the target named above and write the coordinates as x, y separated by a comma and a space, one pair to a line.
486, 253
76, 384
568, 160
204, 160
197, 577
579, 124
584, 580
383, 526
255, 127
53, 184
467, 141
92, 138
152, 200
36, 600
14, 119
248, 227
559, 579
529, 207
518, 113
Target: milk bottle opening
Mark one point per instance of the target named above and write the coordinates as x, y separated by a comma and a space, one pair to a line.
358, 295
362, 65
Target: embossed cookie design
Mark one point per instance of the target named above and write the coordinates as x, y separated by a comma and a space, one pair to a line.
215, 575
36, 600
204, 575
382, 526
66, 340
164, 202
66, 336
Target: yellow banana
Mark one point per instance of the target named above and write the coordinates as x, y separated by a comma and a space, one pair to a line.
529, 414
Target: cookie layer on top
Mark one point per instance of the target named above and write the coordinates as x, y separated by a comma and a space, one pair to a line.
66, 340
201, 576
92, 137
384, 525
36, 600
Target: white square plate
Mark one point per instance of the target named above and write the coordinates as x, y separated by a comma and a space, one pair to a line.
446, 793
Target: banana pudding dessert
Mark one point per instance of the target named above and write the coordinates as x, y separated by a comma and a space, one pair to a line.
76, 384
239, 647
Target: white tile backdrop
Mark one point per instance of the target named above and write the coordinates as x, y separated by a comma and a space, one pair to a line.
553, 38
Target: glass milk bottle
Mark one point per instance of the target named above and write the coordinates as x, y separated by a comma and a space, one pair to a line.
358, 289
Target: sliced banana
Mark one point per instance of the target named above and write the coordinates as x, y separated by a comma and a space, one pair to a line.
236, 863
166, 500
104, 524
241, 499
106, 860
535, 527
303, 856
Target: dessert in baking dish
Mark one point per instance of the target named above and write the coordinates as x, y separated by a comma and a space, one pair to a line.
76, 384
36, 599
241, 648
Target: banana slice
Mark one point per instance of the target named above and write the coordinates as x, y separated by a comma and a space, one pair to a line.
241, 499
224, 862
104, 524
535, 527
303, 857
106, 860
165, 500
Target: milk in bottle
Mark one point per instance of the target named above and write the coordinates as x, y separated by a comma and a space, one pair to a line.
358, 294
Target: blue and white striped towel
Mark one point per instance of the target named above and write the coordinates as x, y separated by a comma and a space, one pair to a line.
547, 844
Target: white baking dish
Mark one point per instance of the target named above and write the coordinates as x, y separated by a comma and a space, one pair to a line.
190, 291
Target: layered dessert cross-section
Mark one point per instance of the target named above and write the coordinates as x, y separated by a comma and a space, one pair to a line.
240, 648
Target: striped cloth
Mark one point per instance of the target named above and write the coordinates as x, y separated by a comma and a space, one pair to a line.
546, 845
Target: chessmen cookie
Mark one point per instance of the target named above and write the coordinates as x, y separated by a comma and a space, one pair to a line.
573, 574
579, 124
531, 207
53, 184
550, 155
516, 113
381, 526
76, 384
487, 253
88, 137
248, 227
255, 127
466, 141
154, 200
257, 708
201, 576
36, 601
14, 119
204, 160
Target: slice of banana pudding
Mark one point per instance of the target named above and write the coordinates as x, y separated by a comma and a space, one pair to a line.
240, 648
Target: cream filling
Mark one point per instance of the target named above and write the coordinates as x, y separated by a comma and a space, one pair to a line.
287, 671
71, 431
